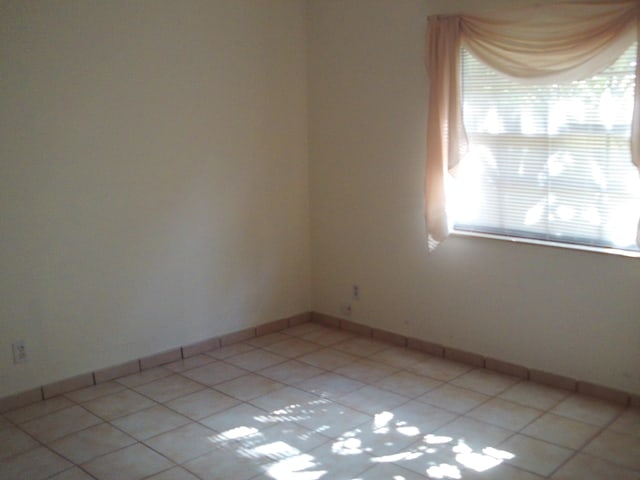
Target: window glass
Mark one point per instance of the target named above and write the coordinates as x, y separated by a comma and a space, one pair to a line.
549, 162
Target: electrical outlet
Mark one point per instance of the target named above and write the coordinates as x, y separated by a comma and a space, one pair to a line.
19, 351
355, 292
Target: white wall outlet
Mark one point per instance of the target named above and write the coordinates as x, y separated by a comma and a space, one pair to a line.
355, 292
19, 351
345, 309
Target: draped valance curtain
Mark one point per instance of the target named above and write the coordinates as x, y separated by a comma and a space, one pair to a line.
542, 44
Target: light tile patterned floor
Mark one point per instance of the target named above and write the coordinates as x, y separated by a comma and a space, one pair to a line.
314, 403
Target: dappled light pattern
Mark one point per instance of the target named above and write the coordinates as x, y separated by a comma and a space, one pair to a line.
331, 405
383, 438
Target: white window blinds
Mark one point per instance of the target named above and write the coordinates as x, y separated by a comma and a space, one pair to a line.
549, 162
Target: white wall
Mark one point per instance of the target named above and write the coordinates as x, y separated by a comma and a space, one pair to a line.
562, 311
153, 180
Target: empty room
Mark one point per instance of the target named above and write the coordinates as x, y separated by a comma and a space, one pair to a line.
319, 239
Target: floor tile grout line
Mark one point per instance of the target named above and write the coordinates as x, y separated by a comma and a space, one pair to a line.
140, 374
65, 435
555, 404
418, 395
39, 416
128, 413
143, 441
581, 451
563, 415
603, 429
525, 469
233, 442
520, 431
217, 383
562, 464
80, 465
328, 329
337, 400
120, 449
578, 449
38, 444
133, 388
512, 434
372, 383
103, 421
175, 463
575, 451
495, 396
73, 465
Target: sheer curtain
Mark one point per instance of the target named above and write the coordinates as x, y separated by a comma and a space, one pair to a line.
542, 44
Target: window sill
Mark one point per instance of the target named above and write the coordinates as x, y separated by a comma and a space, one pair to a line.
544, 243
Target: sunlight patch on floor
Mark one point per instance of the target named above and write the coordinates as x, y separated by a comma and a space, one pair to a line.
299, 467
438, 456
444, 470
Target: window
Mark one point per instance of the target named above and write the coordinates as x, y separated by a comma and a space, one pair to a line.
549, 162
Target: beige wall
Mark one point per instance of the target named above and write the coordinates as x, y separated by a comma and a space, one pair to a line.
153, 180
153, 192
562, 311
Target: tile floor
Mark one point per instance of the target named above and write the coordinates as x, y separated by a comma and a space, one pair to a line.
316, 403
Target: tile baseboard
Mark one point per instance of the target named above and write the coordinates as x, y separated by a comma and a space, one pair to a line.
197, 348
356, 328
462, 356
507, 368
272, 327
610, 394
299, 319
330, 321
68, 385
390, 337
121, 370
34, 395
21, 399
239, 336
161, 358
433, 349
50, 390
480, 361
553, 380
